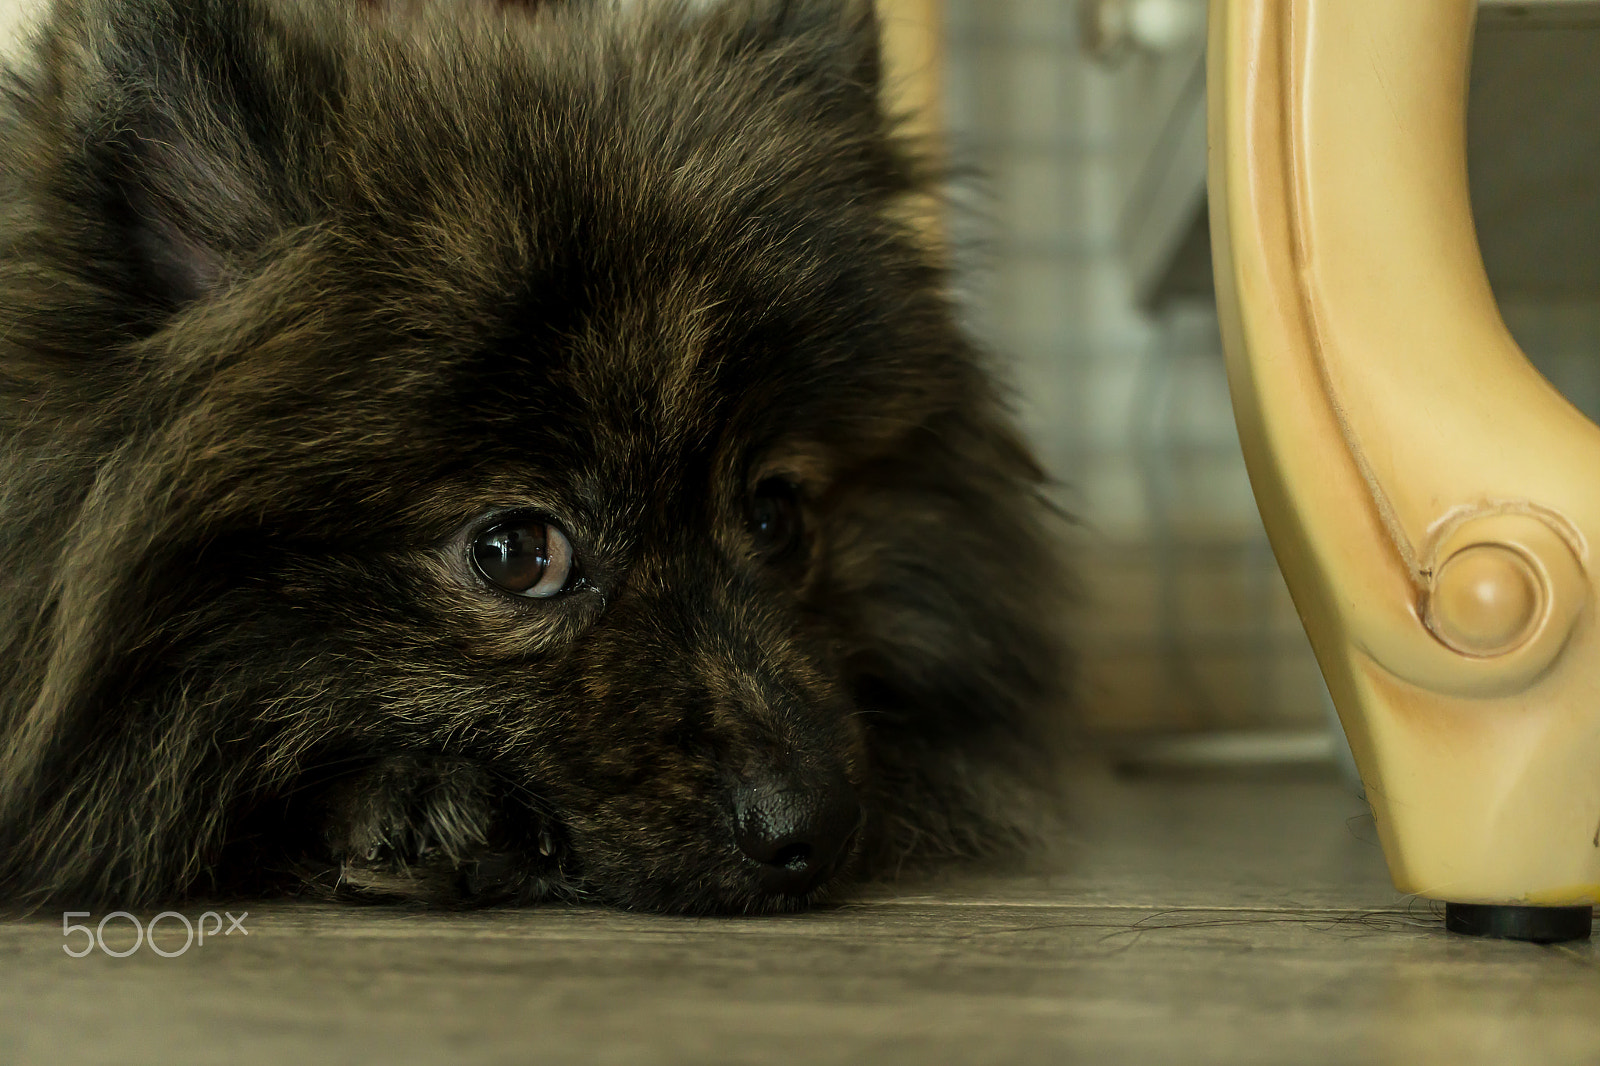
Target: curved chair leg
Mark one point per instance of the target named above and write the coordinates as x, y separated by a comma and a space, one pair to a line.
1432, 501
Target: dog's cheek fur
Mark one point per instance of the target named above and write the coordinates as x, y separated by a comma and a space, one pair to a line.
946, 577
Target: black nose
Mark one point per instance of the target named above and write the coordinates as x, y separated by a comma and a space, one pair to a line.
796, 831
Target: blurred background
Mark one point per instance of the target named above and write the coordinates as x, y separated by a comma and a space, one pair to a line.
1085, 256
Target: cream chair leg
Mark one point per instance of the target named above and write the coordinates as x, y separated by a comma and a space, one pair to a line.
1431, 499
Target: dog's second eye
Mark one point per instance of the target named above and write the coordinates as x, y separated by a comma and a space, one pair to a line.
526, 557
776, 520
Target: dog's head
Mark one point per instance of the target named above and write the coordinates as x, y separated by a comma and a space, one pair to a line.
560, 394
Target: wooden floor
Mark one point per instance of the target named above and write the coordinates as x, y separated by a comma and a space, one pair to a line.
1192, 921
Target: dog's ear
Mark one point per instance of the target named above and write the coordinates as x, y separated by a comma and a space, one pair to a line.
835, 43
184, 203
847, 30
156, 156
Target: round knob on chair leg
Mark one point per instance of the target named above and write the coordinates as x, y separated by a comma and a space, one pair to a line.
1487, 599
1504, 590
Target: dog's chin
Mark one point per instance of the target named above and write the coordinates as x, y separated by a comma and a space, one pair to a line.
515, 879
440, 831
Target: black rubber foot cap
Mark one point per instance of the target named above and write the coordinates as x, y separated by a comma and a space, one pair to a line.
1542, 925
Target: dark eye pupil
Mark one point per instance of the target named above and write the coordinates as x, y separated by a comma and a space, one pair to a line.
775, 517
769, 519
514, 557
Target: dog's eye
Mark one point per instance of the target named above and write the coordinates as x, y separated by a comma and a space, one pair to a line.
776, 521
526, 557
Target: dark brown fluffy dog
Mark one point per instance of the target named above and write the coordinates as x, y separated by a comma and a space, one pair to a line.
479, 453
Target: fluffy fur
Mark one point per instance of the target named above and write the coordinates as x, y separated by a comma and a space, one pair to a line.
298, 297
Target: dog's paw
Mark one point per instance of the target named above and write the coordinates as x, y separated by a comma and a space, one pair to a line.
437, 830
